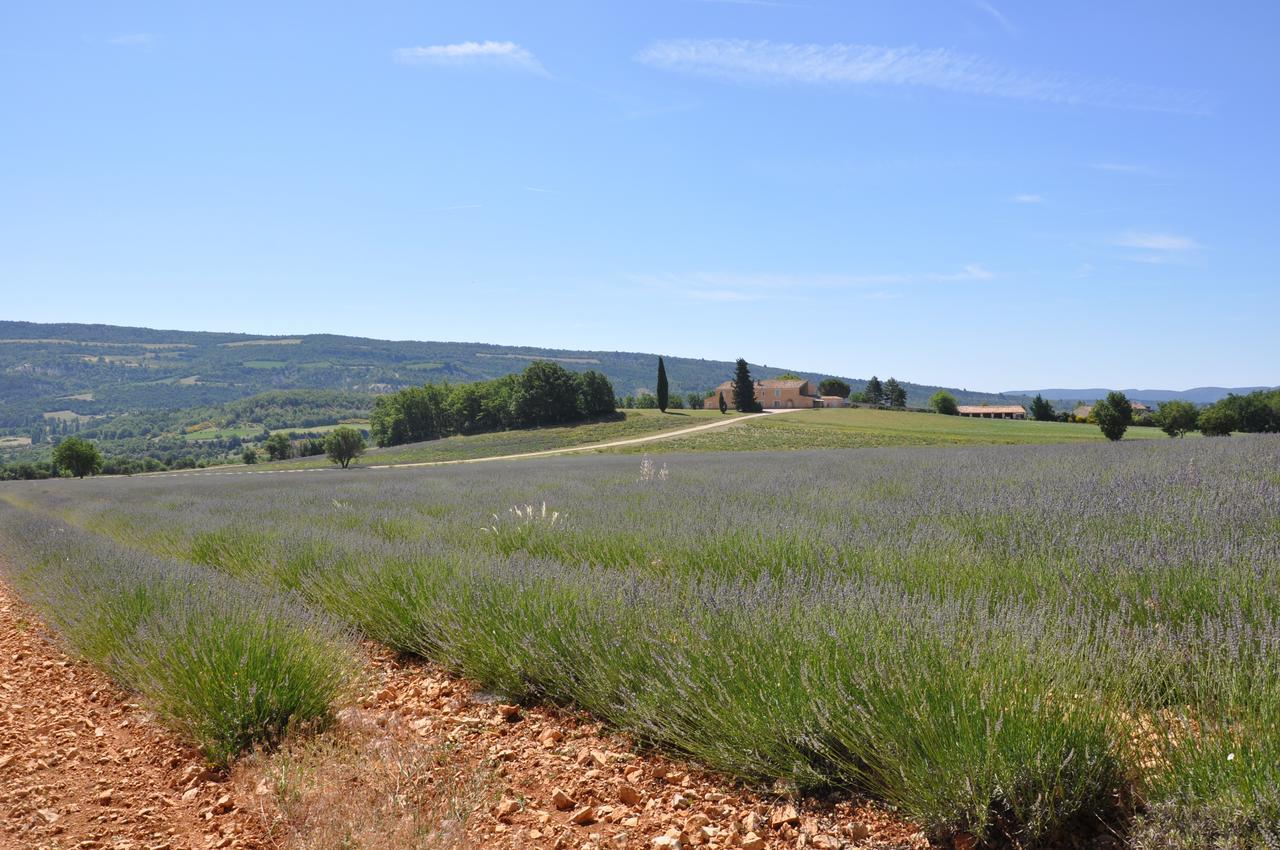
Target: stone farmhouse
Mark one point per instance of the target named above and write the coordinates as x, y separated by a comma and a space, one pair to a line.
775, 394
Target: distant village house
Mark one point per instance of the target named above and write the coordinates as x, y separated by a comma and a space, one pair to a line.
992, 411
1084, 411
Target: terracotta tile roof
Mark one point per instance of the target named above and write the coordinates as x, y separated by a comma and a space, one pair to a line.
991, 408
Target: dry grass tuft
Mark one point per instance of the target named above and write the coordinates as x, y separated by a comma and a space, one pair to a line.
358, 786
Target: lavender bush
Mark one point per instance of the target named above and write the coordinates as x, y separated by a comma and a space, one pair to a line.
1008, 641
226, 664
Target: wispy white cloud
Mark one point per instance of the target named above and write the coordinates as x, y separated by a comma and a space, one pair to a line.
932, 68
494, 54
998, 16
1158, 248
735, 287
132, 39
1028, 199
1167, 242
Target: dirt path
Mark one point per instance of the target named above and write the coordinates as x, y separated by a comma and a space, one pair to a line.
592, 447
81, 766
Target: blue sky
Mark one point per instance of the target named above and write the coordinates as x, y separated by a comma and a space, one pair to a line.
990, 195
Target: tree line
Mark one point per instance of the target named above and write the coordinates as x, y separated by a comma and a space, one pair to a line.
545, 393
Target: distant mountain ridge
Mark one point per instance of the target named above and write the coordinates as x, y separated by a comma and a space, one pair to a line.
73, 371
1198, 395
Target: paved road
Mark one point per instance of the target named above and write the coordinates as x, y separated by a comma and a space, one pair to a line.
630, 441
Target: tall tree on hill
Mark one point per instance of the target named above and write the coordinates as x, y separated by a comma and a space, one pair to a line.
663, 397
744, 389
874, 392
894, 393
1041, 410
1114, 415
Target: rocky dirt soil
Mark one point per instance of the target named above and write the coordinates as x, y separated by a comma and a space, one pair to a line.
557, 780
82, 766
424, 760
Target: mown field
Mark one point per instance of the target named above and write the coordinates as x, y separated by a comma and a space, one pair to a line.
1017, 642
633, 423
856, 427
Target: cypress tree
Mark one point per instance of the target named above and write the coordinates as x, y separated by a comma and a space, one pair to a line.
724, 406
744, 390
662, 386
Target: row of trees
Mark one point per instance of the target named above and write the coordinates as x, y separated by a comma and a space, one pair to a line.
889, 394
1253, 413
545, 393
79, 457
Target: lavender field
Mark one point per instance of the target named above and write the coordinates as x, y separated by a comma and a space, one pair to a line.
1019, 642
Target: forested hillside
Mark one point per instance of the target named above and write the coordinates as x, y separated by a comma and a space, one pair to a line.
72, 372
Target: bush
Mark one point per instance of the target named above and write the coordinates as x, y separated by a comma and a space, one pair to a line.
77, 456
1114, 415
945, 403
1217, 421
344, 445
226, 664
279, 447
1176, 418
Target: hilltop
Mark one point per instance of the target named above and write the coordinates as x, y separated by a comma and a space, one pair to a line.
1196, 395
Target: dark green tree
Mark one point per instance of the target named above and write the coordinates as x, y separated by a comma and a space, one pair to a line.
1257, 412
249, 455
744, 389
1114, 415
344, 445
1176, 417
724, 405
944, 402
1041, 410
874, 392
279, 447
546, 394
77, 456
1217, 420
894, 393
695, 400
595, 395
663, 390
834, 386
